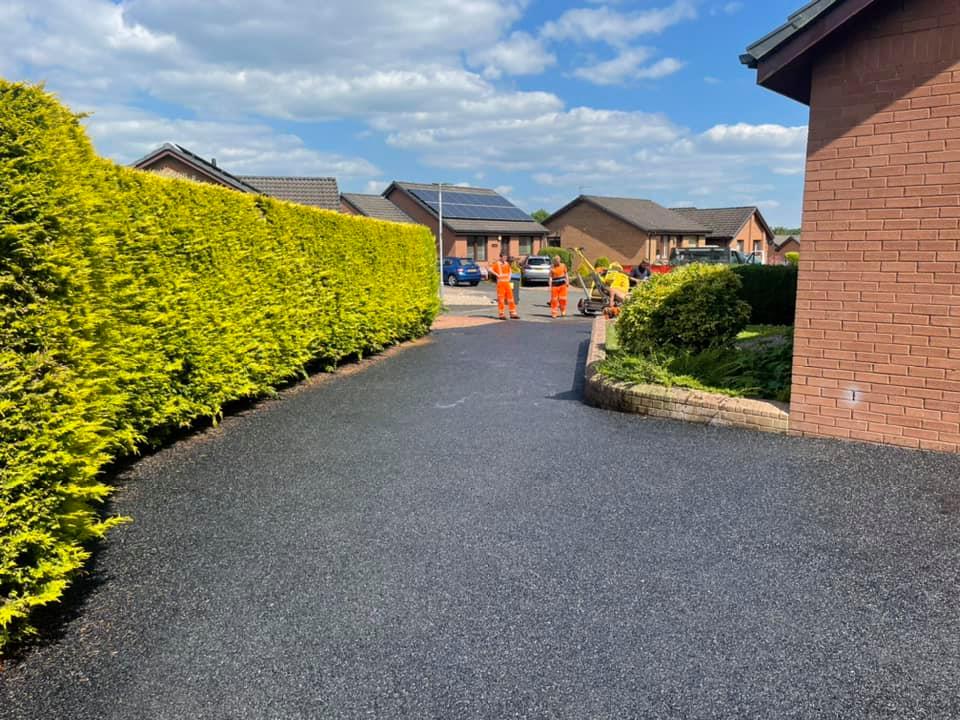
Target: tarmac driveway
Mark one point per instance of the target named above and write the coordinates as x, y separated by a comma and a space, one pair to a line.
452, 534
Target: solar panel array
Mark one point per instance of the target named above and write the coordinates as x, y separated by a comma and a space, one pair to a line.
471, 206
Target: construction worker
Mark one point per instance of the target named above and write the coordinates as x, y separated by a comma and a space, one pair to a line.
619, 284
501, 270
559, 282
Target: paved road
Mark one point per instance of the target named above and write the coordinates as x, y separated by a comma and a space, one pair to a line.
533, 302
451, 534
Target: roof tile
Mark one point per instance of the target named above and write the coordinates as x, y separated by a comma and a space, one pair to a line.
321, 192
376, 206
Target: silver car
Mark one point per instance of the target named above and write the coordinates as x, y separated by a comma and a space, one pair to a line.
536, 268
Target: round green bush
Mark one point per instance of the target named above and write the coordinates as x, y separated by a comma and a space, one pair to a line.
793, 258
692, 308
602, 262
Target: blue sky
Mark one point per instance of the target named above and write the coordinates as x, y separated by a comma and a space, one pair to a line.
540, 100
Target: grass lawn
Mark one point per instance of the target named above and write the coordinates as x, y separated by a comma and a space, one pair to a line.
757, 366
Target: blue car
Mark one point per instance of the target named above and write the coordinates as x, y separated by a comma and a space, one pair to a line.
459, 271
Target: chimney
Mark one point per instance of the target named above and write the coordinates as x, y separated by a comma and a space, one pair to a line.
213, 161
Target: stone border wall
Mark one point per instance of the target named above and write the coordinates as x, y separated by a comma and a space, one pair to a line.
675, 403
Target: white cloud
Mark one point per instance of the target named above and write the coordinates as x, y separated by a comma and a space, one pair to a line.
241, 148
397, 69
711, 80
767, 135
375, 187
795, 170
520, 54
628, 65
616, 28
577, 138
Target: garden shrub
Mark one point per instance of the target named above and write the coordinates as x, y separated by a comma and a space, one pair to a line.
793, 258
692, 308
566, 256
771, 292
602, 262
131, 303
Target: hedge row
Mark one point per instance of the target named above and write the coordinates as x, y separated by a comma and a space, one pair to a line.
771, 292
130, 304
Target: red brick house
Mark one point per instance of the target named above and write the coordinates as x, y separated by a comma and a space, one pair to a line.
176, 161
625, 230
478, 223
878, 315
780, 245
735, 228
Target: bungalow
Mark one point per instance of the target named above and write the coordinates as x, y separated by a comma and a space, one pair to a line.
735, 228
626, 230
780, 246
877, 350
176, 161
479, 224
375, 206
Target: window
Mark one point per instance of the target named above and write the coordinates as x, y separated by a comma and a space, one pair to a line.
526, 245
477, 247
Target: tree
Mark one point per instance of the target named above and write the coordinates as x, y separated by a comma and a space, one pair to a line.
780, 230
540, 215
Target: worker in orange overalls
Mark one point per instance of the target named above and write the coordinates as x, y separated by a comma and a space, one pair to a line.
559, 282
501, 271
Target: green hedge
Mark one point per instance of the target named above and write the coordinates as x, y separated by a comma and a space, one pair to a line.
693, 308
771, 292
130, 304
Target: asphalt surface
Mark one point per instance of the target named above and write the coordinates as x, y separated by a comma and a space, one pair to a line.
533, 301
452, 534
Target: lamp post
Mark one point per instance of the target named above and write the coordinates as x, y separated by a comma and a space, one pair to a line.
440, 237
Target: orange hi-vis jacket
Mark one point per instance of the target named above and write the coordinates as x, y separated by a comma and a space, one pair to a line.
502, 271
559, 274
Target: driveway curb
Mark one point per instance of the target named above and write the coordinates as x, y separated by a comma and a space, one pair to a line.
675, 403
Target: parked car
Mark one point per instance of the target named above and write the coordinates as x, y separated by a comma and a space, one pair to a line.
460, 271
536, 268
711, 256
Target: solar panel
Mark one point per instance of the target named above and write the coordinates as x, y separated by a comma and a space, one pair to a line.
427, 196
471, 206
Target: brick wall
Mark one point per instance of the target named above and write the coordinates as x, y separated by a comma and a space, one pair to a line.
878, 313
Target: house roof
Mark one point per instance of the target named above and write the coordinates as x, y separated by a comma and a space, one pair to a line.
321, 192
782, 58
724, 223
780, 240
467, 226
643, 214
201, 165
375, 206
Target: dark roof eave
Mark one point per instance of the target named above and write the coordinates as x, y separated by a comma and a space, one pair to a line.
782, 57
199, 164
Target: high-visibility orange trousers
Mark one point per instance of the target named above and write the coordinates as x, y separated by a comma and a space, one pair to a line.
505, 297
558, 299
